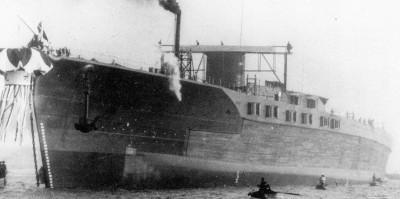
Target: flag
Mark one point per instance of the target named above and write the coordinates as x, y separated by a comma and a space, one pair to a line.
41, 32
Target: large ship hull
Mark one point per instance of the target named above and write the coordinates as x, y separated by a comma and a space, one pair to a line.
203, 140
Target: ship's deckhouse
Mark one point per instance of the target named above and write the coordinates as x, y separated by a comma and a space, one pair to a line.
260, 100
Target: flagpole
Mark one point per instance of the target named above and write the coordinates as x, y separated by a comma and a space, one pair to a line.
19, 31
41, 21
26, 24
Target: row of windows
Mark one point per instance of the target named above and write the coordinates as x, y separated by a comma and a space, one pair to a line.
295, 100
291, 116
270, 111
330, 122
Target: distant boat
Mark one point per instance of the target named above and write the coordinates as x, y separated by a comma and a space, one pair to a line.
375, 184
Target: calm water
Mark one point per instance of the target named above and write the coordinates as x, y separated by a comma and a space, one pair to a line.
22, 185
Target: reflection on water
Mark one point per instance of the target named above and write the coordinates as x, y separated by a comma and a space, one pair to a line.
22, 184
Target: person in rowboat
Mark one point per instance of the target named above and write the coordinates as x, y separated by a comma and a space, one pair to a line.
322, 183
264, 187
373, 178
322, 180
3, 174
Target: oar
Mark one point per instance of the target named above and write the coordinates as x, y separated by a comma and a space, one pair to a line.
288, 193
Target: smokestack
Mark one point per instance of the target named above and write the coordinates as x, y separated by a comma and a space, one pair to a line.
173, 6
170, 5
177, 32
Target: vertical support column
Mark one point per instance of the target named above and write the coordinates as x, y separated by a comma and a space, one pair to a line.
242, 69
204, 59
285, 73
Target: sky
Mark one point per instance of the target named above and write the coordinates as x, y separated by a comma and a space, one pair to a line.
345, 50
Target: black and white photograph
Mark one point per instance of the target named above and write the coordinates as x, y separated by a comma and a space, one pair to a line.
175, 99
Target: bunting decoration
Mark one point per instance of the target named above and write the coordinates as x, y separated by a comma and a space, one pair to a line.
19, 68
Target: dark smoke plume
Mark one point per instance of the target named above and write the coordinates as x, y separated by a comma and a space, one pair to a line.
170, 5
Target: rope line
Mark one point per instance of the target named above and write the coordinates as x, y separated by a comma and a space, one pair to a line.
33, 133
